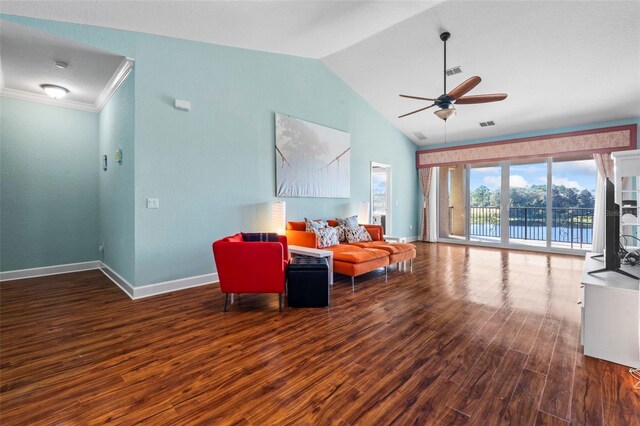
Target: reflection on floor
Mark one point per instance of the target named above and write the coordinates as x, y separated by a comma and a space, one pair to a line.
473, 335
530, 243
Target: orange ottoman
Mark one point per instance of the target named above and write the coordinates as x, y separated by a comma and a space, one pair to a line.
351, 260
398, 252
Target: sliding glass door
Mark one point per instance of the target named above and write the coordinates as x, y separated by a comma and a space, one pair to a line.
574, 187
528, 203
538, 203
485, 202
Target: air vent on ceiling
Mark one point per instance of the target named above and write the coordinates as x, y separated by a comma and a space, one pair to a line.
420, 135
487, 123
453, 71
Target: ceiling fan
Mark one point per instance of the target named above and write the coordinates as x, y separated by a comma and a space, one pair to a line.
456, 96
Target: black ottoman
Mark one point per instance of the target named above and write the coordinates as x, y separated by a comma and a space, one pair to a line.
308, 282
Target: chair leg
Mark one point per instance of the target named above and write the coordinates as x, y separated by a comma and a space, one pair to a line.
279, 302
226, 299
411, 264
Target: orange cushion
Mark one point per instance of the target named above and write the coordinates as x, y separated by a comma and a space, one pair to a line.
296, 226
332, 222
392, 248
355, 269
375, 231
379, 245
402, 256
359, 255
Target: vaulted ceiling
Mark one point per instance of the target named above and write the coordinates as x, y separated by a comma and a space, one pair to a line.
562, 63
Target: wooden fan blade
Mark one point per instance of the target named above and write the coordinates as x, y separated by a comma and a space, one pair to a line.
418, 110
417, 97
464, 87
480, 99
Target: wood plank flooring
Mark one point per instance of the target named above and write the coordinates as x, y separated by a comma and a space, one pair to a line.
472, 336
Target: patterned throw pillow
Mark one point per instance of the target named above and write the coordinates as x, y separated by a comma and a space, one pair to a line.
312, 225
327, 237
357, 235
349, 222
341, 233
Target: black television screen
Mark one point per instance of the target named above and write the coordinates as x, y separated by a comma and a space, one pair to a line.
612, 234
612, 228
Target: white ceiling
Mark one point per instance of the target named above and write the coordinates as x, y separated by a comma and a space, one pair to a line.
302, 28
28, 60
562, 63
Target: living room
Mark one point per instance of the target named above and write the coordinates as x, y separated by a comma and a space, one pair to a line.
210, 167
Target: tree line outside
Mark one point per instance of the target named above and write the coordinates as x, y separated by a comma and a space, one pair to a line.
534, 196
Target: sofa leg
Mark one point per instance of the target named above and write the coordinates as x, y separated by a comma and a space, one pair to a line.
279, 302
386, 272
226, 299
411, 264
353, 284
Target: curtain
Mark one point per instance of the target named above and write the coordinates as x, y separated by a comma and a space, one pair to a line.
604, 164
425, 184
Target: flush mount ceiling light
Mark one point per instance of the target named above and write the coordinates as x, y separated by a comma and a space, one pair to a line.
56, 92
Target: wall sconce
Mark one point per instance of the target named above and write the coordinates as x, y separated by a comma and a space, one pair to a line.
363, 212
278, 216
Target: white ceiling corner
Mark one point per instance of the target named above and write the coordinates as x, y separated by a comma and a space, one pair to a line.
28, 60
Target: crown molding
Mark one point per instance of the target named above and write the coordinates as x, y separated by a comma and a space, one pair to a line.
119, 76
45, 99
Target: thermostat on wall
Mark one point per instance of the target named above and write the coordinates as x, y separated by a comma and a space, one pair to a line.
182, 105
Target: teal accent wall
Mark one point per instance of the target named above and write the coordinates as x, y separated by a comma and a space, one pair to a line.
48, 182
117, 185
213, 168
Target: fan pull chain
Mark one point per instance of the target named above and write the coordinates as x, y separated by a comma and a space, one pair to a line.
445, 132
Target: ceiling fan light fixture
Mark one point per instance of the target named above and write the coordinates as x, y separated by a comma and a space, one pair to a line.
56, 92
446, 112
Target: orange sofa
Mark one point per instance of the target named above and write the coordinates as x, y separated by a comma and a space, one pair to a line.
353, 259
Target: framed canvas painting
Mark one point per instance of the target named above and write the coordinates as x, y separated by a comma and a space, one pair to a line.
311, 160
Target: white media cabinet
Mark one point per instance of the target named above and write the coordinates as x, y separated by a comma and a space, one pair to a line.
610, 314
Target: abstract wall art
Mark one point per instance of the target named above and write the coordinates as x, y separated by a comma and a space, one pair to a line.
311, 160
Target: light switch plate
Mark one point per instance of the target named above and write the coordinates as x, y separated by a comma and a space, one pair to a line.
153, 203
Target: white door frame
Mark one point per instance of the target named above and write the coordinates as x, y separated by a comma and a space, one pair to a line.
389, 198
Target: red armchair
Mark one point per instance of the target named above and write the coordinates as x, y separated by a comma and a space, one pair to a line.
251, 267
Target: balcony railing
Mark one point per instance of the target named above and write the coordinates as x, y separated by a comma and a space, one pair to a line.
568, 225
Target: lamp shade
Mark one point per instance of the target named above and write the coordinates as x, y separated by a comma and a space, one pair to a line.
278, 216
363, 212
446, 112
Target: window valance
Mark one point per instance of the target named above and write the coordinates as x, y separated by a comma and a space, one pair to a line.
608, 139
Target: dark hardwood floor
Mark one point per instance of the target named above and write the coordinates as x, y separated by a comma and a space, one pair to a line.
473, 336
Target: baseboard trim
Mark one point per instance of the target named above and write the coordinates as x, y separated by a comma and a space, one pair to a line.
134, 292
412, 238
117, 279
174, 285
49, 270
